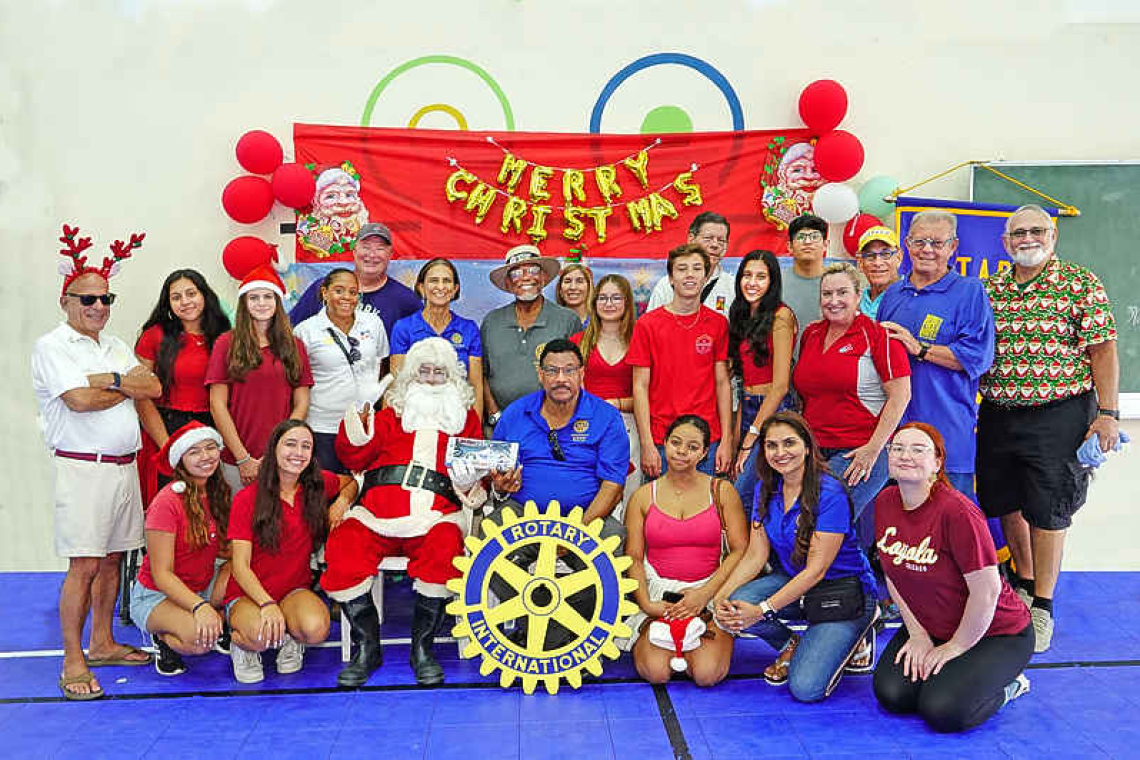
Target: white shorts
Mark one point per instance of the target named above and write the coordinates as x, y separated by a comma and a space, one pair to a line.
656, 586
98, 508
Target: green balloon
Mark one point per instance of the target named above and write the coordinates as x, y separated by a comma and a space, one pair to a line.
666, 119
872, 193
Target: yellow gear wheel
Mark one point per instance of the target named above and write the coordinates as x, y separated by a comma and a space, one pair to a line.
548, 621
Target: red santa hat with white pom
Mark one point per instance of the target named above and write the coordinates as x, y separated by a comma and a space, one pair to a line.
262, 277
679, 635
179, 442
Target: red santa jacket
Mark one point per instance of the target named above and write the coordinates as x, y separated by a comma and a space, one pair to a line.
393, 510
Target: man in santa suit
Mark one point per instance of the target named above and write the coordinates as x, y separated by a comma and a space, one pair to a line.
409, 506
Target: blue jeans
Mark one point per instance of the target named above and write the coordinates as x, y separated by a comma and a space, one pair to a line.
823, 648
862, 495
707, 467
746, 482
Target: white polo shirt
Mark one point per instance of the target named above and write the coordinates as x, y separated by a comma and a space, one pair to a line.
61, 361
719, 298
337, 385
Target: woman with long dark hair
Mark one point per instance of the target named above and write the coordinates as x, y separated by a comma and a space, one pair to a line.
966, 636
604, 344
258, 375
180, 585
802, 520
275, 523
175, 343
761, 336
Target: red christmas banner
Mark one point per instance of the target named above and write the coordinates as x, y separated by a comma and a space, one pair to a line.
467, 194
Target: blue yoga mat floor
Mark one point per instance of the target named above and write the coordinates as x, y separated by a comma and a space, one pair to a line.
1084, 692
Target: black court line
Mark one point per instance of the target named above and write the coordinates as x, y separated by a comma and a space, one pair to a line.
657, 689
672, 725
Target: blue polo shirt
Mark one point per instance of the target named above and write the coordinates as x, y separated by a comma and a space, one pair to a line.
594, 443
952, 312
462, 334
834, 516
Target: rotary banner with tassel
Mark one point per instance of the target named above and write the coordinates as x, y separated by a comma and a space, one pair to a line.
467, 194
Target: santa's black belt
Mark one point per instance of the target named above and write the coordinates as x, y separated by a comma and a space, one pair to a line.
410, 476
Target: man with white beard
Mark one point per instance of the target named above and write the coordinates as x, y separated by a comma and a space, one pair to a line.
1053, 385
513, 335
409, 505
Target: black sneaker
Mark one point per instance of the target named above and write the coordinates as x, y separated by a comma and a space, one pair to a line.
168, 662
222, 645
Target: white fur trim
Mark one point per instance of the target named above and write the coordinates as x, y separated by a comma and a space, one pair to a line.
348, 594
355, 430
264, 284
678, 664
401, 527
432, 590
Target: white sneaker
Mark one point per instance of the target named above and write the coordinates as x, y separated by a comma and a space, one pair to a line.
1016, 688
247, 665
290, 655
1042, 629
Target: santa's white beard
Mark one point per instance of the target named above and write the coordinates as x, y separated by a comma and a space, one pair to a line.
433, 407
1029, 257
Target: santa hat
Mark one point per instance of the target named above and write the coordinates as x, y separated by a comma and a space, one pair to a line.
679, 635
262, 277
179, 442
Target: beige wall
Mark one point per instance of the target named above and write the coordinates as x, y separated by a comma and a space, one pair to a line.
122, 115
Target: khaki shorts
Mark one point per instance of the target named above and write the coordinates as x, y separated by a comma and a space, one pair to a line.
98, 508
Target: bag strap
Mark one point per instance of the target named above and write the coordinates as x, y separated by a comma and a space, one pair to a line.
715, 491
340, 345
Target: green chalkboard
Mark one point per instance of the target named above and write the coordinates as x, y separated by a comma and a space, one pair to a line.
1105, 237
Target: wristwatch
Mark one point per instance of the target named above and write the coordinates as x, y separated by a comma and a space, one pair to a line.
769, 613
1113, 413
753, 430
922, 352
116, 380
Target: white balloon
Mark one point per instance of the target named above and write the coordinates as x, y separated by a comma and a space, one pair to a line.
835, 202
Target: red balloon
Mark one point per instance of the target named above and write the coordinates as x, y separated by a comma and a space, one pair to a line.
823, 104
838, 156
294, 185
854, 229
247, 199
259, 152
244, 254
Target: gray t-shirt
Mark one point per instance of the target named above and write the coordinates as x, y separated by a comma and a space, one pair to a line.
801, 294
510, 354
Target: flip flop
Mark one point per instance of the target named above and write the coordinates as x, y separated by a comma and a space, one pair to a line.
121, 657
74, 696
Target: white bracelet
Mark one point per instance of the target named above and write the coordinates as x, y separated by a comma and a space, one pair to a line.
240, 462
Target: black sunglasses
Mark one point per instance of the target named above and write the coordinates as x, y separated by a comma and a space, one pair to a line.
555, 447
354, 354
88, 300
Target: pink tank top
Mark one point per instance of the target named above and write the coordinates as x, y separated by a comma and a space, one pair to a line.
684, 550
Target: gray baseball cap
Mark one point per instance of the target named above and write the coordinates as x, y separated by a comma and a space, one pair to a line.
373, 229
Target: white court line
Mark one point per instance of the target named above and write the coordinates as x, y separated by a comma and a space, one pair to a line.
322, 645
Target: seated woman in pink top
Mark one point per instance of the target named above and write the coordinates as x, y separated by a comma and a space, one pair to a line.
675, 540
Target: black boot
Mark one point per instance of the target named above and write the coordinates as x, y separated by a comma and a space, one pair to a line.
365, 622
426, 621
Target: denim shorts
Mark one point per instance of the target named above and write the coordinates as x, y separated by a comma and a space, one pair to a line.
144, 600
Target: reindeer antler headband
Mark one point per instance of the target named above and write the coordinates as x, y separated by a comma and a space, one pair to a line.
75, 265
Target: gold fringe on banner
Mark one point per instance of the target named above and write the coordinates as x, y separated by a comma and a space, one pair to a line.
1064, 209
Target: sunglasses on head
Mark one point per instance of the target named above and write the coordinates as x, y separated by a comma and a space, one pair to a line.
89, 300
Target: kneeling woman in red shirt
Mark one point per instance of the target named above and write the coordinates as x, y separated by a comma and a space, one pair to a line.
178, 585
967, 636
275, 524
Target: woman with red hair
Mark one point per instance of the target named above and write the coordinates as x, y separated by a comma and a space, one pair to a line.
967, 637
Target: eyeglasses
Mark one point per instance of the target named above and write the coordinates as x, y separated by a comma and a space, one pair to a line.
89, 300
555, 446
1022, 233
709, 239
553, 372
921, 243
528, 270
808, 237
915, 449
433, 375
612, 299
884, 254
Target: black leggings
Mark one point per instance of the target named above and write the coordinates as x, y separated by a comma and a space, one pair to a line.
966, 692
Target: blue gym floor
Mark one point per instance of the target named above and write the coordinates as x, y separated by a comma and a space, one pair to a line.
1083, 693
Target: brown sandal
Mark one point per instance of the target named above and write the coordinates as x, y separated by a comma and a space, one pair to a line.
86, 677
777, 673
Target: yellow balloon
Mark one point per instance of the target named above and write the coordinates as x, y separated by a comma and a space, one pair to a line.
639, 165
454, 193
511, 171
537, 229
606, 179
513, 214
574, 225
691, 190
573, 186
539, 176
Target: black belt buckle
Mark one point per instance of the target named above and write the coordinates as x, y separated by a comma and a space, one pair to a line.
414, 475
